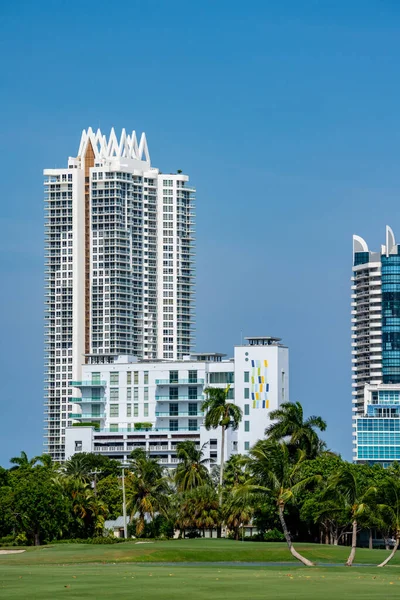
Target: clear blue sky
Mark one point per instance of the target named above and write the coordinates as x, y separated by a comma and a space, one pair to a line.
286, 116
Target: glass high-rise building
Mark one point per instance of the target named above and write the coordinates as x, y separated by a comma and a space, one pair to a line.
376, 351
119, 266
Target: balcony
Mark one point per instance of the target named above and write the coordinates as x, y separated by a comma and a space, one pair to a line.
180, 414
86, 416
79, 384
179, 382
88, 400
150, 430
184, 398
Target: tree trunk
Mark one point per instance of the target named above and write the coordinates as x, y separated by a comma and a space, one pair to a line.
293, 552
393, 552
326, 537
370, 544
237, 534
221, 469
37, 538
352, 554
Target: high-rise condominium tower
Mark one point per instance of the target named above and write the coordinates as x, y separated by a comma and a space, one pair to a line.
376, 351
119, 266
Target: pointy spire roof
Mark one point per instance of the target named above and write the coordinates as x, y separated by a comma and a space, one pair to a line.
126, 147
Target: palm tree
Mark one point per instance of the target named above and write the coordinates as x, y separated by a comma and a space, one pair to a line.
390, 512
192, 471
274, 472
237, 511
344, 485
22, 461
147, 488
76, 468
289, 423
220, 413
199, 509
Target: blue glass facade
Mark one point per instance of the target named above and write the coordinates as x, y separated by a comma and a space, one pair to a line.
360, 258
378, 439
391, 318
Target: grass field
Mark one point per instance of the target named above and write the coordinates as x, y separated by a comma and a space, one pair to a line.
97, 572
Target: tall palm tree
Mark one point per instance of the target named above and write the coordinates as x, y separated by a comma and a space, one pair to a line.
192, 471
220, 413
356, 500
290, 423
274, 472
390, 511
147, 488
22, 461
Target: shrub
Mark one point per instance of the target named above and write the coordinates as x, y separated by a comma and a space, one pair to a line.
274, 535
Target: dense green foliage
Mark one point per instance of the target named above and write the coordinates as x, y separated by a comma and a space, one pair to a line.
289, 485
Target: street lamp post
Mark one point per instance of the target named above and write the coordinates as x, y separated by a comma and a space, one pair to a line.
124, 503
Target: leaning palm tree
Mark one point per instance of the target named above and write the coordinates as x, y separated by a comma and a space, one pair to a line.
390, 512
192, 470
273, 472
220, 413
289, 423
344, 485
147, 489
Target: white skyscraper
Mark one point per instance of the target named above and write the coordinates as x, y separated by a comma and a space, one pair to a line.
119, 266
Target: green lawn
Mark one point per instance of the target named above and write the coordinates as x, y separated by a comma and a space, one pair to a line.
203, 550
197, 583
96, 572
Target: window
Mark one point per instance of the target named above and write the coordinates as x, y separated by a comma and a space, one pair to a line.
246, 376
95, 377
213, 455
192, 424
136, 394
247, 426
114, 393
129, 378
173, 409
146, 394
129, 410
247, 445
136, 377
192, 376
129, 393
114, 378
222, 377
246, 393
114, 410
136, 410
192, 409
213, 443
173, 393
173, 425
247, 409
78, 446
146, 410
192, 393
113, 426
146, 377
173, 376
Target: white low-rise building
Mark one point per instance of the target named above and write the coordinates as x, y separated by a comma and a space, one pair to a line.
128, 403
